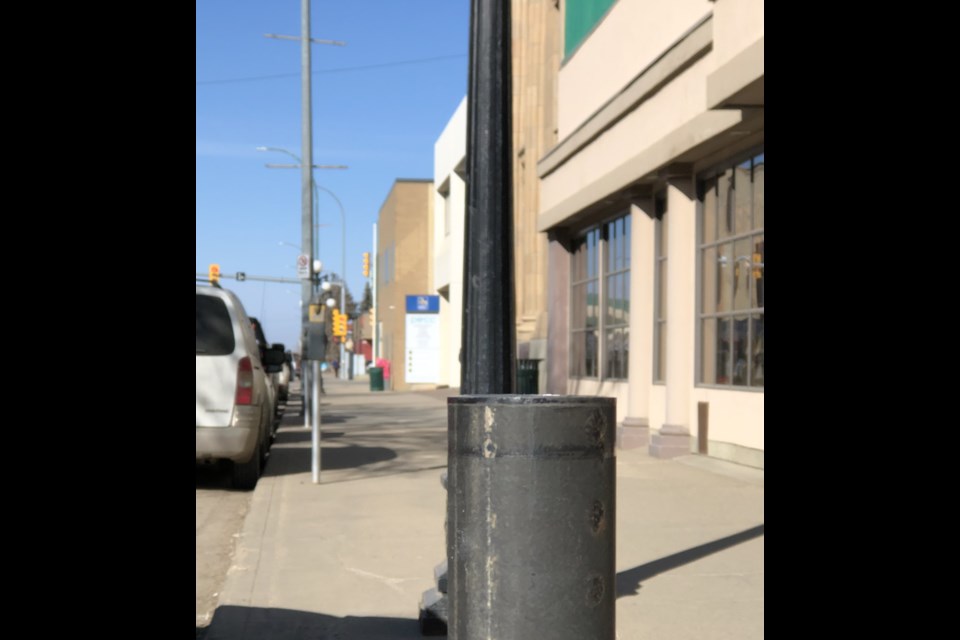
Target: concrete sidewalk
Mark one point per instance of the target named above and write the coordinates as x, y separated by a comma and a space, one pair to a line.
350, 557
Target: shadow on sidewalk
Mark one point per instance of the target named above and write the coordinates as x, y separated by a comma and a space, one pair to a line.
628, 582
302, 435
257, 623
288, 461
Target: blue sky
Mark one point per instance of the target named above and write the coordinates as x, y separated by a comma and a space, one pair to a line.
379, 104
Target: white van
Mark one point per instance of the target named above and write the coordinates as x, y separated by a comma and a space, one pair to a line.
234, 412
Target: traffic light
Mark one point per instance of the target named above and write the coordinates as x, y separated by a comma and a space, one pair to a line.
214, 273
339, 323
366, 264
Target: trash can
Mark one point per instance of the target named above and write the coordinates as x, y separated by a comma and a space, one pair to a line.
376, 378
528, 376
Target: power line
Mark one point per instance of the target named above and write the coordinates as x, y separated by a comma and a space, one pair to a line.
335, 70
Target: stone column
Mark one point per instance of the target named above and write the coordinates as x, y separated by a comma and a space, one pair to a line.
673, 438
634, 431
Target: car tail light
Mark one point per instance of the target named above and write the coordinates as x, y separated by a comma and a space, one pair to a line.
245, 381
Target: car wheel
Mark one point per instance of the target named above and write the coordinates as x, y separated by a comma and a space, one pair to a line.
245, 475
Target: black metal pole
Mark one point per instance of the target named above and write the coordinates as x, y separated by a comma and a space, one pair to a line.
535, 495
489, 344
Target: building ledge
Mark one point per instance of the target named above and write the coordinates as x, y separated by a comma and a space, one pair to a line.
739, 82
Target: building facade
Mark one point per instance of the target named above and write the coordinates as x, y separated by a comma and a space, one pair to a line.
536, 53
450, 197
652, 202
404, 268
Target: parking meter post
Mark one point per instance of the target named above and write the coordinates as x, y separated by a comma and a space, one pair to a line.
316, 420
537, 563
305, 392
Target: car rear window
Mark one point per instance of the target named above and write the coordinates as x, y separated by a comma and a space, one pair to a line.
214, 329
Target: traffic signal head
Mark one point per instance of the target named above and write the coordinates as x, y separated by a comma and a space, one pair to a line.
339, 323
214, 273
366, 264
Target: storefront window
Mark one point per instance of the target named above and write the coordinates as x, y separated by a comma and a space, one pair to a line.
600, 302
731, 275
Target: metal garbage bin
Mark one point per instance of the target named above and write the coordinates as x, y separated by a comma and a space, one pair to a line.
376, 378
528, 376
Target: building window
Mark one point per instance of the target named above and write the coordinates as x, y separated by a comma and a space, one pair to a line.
731, 247
660, 284
585, 307
616, 294
600, 302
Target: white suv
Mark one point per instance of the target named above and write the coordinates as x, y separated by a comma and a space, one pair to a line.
234, 412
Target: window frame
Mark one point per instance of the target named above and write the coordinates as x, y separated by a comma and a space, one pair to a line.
755, 310
603, 272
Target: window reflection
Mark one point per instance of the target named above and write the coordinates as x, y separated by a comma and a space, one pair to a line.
731, 278
756, 353
599, 288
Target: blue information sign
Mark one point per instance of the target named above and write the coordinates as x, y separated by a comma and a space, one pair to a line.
423, 304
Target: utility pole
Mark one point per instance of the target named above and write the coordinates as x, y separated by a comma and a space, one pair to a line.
306, 154
311, 391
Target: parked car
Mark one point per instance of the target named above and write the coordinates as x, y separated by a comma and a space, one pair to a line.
234, 405
264, 346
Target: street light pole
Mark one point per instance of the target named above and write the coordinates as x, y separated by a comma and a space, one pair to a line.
307, 209
343, 232
306, 173
316, 193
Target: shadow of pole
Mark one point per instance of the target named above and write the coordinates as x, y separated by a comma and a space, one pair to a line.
258, 623
293, 460
628, 582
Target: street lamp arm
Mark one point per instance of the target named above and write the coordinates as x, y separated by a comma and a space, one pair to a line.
278, 149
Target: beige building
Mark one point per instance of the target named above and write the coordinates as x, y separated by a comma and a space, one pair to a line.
638, 218
404, 267
652, 201
536, 50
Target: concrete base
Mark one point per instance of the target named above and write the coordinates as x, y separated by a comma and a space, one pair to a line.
633, 433
672, 441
